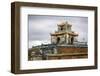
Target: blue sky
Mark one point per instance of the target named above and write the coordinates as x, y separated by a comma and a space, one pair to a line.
40, 27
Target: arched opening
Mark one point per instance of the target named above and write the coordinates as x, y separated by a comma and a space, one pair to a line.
58, 40
61, 28
72, 40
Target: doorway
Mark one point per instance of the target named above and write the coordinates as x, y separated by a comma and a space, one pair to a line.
58, 40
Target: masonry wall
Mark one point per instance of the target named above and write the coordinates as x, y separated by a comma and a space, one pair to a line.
72, 50
70, 53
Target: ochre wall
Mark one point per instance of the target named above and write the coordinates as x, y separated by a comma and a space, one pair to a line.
72, 50
70, 53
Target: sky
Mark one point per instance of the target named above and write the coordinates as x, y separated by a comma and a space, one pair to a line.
40, 27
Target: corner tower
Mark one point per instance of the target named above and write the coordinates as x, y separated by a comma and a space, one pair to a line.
64, 34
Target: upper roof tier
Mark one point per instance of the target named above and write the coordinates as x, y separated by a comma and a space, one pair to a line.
62, 23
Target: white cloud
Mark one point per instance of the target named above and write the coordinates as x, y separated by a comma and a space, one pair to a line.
37, 42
